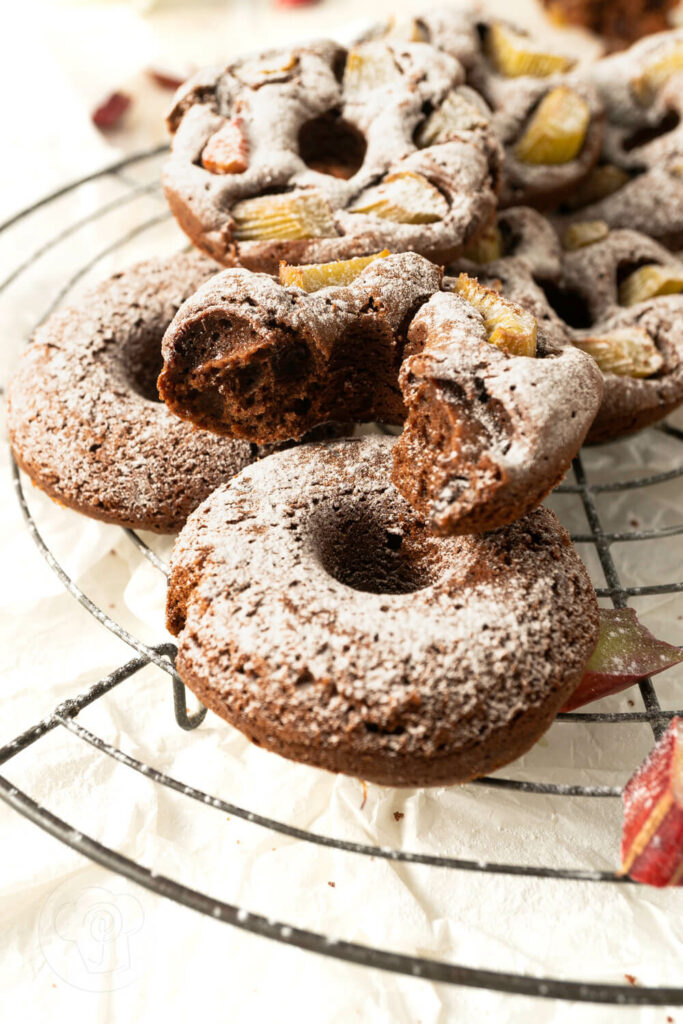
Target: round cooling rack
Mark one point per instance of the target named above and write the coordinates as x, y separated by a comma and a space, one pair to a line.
130, 206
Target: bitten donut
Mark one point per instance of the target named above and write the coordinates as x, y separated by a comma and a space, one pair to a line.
619, 297
316, 154
316, 613
493, 411
85, 419
639, 183
548, 118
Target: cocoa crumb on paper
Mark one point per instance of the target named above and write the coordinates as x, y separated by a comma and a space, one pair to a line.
398, 815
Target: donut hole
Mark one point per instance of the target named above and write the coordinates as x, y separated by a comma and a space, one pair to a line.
369, 548
569, 304
143, 362
643, 136
627, 267
330, 145
511, 238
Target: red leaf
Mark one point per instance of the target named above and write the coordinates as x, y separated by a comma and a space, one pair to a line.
110, 112
652, 837
626, 652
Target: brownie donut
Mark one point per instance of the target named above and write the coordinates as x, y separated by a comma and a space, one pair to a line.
520, 233
544, 183
596, 274
85, 419
642, 90
518, 77
582, 305
316, 613
315, 154
488, 434
617, 23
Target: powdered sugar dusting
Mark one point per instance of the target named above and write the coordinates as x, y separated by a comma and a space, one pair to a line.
275, 636
401, 80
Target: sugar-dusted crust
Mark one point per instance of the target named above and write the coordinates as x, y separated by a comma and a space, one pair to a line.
650, 203
543, 185
529, 238
273, 109
588, 281
316, 613
461, 30
249, 358
634, 111
83, 421
644, 136
628, 403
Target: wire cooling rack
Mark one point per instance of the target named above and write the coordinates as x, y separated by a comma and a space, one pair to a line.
130, 180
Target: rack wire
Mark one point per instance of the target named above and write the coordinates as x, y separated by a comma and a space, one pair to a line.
127, 174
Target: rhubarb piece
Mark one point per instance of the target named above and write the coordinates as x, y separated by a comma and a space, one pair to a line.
583, 233
287, 216
275, 67
486, 246
626, 652
456, 114
602, 181
556, 132
647, 84
370, 67
110, 112
513, 54
508, 326
408, 30
227, 151
405, 197
625, 351
649, 281
652, 836
312, 276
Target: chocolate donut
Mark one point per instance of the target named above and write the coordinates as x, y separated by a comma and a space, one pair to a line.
488, 433
85, 419
317, 614
628, 323
640, 185
529, 113
521, 234
548, 118
599, 274
617, 23
315, 154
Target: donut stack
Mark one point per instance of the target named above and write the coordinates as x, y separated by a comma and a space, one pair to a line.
440, 230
